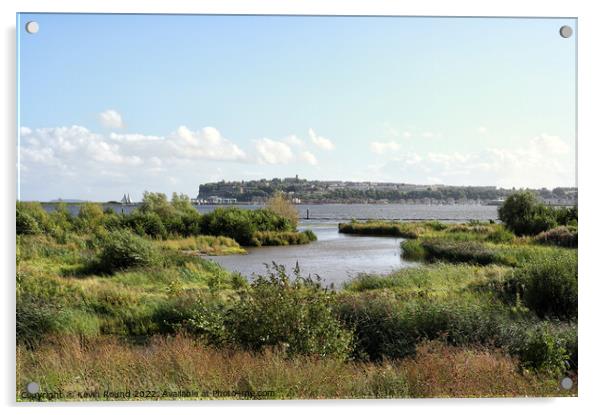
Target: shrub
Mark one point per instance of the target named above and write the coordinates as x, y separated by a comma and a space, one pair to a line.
550, 285
89, 217
32, 218
542, 348
241, 225
283, 207
26, 224
295, 313
122, 250
524, 215
565, 236
385, 327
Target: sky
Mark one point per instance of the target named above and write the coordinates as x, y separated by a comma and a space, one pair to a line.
114, 104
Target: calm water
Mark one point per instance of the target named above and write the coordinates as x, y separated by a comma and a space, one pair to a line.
334, 212
334, 257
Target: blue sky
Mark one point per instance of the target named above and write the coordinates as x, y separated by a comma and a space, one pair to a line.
126, 103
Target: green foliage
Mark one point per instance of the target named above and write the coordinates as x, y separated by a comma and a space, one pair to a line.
387, 328
268, 238
242, 225
500, 236
459, 251
382, 228
294, 313
550, 285
26, 224
544, 347
565, 236
523, 214
280, 205
122, 250
412, 249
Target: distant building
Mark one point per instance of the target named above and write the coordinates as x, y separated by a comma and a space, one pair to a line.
217, 200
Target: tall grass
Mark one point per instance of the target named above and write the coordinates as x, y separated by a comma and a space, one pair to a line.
205, 244
168, 365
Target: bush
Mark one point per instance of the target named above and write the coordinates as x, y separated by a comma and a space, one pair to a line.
550, 285
565, 236
241, 225
283, 207
524, 215
294, 313
26, 224
122, 250
385, 327
543, 349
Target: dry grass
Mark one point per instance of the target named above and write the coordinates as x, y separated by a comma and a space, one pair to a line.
440, 370
171, 364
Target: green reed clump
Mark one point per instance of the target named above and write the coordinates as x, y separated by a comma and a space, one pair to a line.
381, 228
413, 250
460, 251
275, 238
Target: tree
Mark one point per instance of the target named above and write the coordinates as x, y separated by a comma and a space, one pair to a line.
283, 207
524, 215
158, 203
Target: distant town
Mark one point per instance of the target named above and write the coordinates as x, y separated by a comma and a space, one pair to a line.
335, 191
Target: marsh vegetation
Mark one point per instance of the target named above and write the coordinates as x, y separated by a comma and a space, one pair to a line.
109, 301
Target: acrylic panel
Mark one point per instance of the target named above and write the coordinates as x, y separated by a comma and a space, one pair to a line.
295, 207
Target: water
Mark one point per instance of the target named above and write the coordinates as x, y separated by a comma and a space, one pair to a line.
335, 257
341, 212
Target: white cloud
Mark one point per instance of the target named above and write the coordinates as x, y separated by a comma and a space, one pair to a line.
134, 137
482, 130
294, 141
207, 143
308, 157
321, 142
273, 151
111, 119
379, 147
543, 161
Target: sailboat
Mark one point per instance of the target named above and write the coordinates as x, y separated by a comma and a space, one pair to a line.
126, 200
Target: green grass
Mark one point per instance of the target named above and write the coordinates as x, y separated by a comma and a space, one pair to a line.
205, 245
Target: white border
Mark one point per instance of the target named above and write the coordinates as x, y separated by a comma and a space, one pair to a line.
590, 192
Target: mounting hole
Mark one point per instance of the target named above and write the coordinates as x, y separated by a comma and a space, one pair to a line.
566, 383
32, 27
566, 31
33, 388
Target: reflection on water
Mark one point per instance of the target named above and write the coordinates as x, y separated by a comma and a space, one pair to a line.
334, 257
